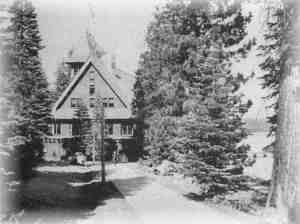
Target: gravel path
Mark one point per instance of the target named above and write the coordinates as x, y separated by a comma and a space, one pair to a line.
115, 211
133, 197
154, 203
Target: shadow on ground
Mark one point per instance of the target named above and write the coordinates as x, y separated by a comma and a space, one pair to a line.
64, 197
130, 186
194, 196
250, 198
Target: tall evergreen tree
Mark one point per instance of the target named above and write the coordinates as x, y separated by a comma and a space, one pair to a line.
85, 129
286, 184
27, 88
8, 155
190, 95
138, 105
272, 67
270, 50
282, 78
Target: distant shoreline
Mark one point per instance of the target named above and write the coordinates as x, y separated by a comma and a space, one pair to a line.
256, 125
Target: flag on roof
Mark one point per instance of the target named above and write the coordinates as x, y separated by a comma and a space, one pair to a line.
94, 48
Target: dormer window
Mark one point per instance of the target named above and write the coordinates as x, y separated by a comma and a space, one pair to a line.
75, 67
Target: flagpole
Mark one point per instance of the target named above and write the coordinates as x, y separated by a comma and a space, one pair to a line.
102, 124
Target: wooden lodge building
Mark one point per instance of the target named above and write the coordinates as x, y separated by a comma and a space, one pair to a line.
93, 73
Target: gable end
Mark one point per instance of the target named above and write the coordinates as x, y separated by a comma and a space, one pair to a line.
69, 89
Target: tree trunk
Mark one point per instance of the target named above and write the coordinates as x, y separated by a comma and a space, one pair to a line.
271, 201
288, 130
288, 147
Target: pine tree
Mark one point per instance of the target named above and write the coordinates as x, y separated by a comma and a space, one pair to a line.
270, 50
271, 64
283, 79
8, 155
191, 102
27, 89
86, 142
137, 108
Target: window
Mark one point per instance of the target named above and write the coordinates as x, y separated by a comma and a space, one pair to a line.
75, 102
50, 129
92, 82
57, 128
70, 129
92, 89
92, 77
126, 129
108, 102
111, 102
92, 102
77, 67
105, 103
75, 128
109, 128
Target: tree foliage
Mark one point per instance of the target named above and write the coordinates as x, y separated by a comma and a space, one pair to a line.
85, 129
26, 90
281, 55
270, 50
138, 105
188, 94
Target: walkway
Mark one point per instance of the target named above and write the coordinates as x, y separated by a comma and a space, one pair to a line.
154, 203
73, 195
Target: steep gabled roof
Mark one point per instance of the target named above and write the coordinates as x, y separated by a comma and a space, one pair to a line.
106, 75
93, 55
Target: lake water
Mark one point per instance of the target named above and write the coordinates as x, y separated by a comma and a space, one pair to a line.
262, 168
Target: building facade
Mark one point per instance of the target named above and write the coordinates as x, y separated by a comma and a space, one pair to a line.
93, 76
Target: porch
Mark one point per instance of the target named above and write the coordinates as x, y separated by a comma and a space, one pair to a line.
64, 136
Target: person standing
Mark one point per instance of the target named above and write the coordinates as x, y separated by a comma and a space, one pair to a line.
117, 152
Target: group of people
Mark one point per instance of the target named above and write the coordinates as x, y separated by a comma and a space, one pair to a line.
117, 155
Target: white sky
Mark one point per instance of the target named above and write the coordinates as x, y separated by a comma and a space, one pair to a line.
120, 29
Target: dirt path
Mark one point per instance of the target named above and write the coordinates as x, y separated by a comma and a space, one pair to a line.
154, 203
75, 195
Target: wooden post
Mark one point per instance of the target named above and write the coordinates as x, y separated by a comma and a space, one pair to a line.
94, 147
100, 124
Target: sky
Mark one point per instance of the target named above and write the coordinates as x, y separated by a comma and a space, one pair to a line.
119, 27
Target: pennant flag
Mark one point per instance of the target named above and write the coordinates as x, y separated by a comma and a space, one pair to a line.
94, 48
